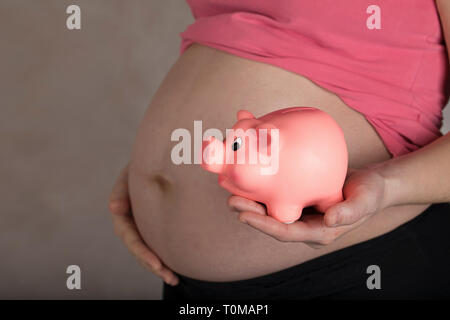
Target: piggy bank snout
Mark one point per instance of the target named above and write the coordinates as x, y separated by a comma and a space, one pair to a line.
213, 155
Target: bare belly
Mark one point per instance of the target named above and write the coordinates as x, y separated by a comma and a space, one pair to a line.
181, 211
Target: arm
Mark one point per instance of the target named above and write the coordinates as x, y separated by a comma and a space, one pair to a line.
420, 177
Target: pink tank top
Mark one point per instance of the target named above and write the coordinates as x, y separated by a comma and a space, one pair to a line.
384, 58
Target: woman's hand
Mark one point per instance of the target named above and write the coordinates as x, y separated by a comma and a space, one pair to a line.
364, 194
125, 228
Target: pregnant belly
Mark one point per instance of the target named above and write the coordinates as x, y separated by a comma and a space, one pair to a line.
180, 210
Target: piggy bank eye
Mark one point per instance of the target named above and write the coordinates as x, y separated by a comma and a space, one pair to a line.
236, 144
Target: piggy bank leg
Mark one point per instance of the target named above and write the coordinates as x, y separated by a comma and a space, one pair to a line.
326, 203
285, 213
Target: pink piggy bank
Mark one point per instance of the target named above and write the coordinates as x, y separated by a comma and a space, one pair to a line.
288, 159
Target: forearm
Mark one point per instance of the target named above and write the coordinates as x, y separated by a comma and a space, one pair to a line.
420, 177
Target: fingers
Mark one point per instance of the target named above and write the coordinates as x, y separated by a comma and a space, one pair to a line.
266, 224
243, 204
119, 202
126, 229
311, 230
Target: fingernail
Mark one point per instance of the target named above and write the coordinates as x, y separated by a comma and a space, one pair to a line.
154, 266
172, 282
335, 220
118, 207
243, 221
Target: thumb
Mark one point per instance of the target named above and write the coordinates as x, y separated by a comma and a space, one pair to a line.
119, 202
241, 204
347, 212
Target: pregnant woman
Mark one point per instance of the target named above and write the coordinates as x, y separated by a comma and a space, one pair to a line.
379, 68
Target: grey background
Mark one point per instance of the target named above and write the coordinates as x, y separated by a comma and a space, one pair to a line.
71, 102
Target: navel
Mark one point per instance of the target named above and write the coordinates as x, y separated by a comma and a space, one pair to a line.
162, 182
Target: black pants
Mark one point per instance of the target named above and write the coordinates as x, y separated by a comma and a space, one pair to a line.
414, 262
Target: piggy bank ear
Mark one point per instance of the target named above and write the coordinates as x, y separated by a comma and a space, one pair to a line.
268, 137
244, 114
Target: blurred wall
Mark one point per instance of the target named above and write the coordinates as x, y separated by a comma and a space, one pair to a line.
71, 102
